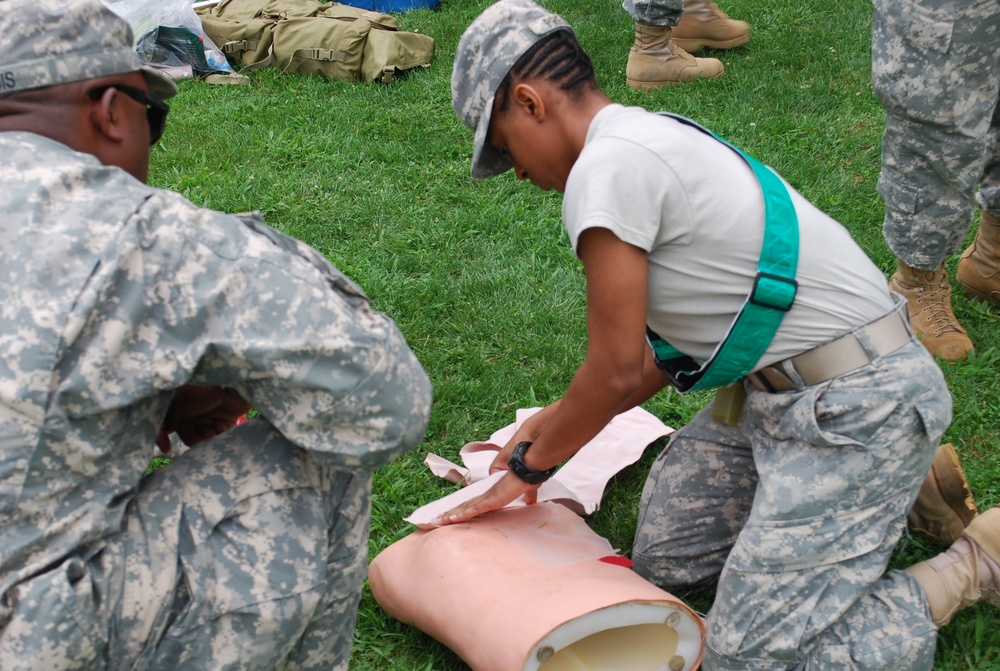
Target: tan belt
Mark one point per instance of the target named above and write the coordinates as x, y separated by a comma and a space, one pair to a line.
846, 353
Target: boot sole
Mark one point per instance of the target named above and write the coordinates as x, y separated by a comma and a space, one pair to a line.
691, 45
650, 86
951, 493
953, 484
637, 85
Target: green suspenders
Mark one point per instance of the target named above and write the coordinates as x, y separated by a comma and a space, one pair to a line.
771, 296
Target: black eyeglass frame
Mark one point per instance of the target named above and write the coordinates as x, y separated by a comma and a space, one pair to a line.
156, 109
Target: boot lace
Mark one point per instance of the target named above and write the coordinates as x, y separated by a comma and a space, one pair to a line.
935, 299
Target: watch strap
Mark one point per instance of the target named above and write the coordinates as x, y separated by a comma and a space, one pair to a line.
522, 470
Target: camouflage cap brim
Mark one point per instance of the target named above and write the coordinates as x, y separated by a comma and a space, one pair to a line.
488, 50
160, 85
486, 160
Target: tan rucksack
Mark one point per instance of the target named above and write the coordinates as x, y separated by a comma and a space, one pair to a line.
334, 40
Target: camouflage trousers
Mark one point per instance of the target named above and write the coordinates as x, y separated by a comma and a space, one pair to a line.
936, 70
242, 554
655, 12
795, 512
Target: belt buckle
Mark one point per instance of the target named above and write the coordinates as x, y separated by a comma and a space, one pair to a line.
771, 379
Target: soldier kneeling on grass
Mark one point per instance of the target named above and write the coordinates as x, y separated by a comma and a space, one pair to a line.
706, 270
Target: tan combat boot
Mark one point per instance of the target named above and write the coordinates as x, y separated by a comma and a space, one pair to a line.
967, 572
979, 269
705, 25
655, 61
928, 299
944, 506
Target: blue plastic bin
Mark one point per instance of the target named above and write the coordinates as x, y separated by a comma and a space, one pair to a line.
392, 6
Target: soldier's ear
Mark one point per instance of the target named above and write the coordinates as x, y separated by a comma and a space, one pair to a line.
527, 98
116, 131
106, 115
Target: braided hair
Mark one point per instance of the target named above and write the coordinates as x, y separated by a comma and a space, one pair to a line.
557, 58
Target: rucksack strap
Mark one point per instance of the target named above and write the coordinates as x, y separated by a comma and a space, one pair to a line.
771, 296
319, 54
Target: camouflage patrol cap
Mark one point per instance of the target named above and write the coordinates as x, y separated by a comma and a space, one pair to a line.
489, 48
50, 42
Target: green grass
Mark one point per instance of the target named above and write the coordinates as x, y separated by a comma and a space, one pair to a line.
479, 275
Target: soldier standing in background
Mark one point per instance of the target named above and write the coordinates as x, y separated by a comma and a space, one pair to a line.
667, 32
936, 70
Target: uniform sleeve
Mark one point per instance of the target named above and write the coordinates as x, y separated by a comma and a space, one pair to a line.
189, 295
619, 185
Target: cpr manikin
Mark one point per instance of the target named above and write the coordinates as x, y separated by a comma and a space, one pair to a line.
533, 588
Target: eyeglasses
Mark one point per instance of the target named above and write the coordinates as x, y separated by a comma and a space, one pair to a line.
156, 109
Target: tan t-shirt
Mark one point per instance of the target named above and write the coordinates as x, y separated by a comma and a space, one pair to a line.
697, 209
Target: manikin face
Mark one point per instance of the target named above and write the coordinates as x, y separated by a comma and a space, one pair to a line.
525, 132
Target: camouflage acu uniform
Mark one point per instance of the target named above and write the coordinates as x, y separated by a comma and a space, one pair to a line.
796, 512
250, 550
655, 12
936, 69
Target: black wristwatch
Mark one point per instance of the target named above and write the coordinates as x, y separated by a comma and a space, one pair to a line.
521, 469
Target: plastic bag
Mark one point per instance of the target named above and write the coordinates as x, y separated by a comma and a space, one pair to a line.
168, 34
